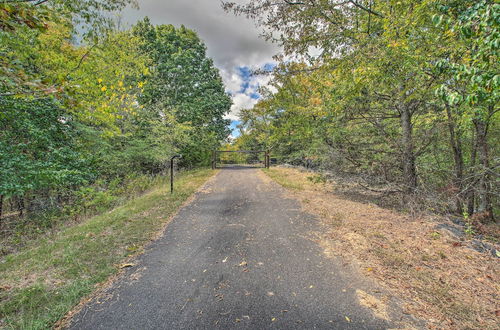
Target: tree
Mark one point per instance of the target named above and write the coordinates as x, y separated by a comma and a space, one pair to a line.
184, 82
474, 79
358, 78
378, 43
38, 148
23, 21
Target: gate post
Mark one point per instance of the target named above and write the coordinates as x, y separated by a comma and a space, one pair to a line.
213, 159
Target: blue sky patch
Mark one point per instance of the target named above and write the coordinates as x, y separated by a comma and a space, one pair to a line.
235, 132
269, 66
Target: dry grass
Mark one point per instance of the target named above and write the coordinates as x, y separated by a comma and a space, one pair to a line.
437, 274
378, 306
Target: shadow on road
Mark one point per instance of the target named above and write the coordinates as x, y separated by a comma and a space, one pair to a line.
239, 166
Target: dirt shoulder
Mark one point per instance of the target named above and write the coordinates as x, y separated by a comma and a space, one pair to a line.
433, 269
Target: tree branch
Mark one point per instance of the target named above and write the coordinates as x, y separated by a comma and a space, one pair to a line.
356, 4
36, 2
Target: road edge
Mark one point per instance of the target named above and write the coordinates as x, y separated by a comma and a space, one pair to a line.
100, 288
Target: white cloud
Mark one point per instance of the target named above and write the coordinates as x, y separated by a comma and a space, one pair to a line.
240, 101
244, 89
232, 80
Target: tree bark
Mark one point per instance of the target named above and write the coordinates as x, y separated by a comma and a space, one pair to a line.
456, 146
484, 189
471, 194
1, 207
408, 157
20, 205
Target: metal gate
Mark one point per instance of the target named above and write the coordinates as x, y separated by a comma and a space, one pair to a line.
216, 152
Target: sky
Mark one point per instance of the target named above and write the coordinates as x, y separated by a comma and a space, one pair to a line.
232, 42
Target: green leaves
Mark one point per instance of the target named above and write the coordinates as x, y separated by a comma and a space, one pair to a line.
186, 84
395, 88
37, 147
18, 15
437, 19
479, 28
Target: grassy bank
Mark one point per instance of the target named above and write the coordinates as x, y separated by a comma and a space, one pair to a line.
435, 271
76, 205
43, 281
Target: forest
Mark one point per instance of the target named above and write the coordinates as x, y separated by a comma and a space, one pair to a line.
402, 95
90, 111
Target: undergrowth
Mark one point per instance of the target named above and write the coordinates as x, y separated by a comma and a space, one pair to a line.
81, 204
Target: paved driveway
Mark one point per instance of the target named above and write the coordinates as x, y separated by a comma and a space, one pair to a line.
241, 255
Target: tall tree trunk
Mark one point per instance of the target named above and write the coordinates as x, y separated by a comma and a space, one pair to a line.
456, 145
408, 159
484, 194
471, 193
20, 205
1, 207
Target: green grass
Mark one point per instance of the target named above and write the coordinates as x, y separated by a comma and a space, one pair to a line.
42, 282
282, 177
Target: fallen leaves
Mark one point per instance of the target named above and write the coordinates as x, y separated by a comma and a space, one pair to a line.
409, 255
377, 306
126, 265
5, 288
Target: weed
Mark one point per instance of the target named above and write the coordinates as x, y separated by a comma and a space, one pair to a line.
426, 257
469, 228
379, 235
334, 219
435, 235
282, 177
317, 178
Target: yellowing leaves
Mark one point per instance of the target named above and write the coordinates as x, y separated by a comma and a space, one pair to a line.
127, 265
449, 33
315, 101
398, 44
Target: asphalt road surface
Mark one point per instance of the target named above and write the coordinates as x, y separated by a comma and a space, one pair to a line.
241, 255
